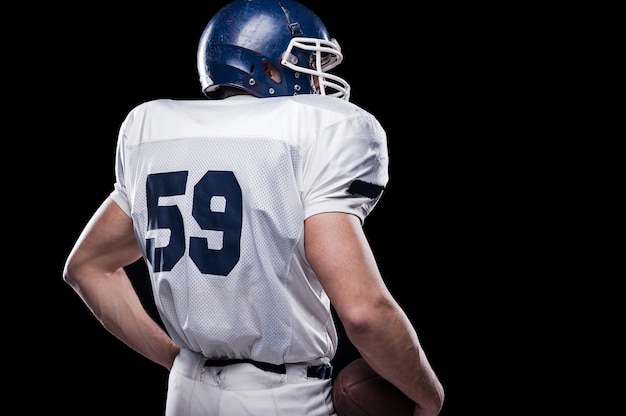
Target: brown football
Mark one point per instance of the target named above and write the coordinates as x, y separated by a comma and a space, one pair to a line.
359, 391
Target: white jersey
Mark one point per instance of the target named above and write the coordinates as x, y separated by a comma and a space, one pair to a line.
218, 191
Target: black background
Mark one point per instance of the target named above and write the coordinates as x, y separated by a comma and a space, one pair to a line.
438, 232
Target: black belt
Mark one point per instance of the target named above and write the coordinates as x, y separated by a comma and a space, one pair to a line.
323, 371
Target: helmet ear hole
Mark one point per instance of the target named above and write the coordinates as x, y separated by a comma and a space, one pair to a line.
271, 71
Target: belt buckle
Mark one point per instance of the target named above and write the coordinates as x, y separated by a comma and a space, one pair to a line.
323, 371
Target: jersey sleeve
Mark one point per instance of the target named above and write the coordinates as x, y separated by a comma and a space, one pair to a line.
346, 168
120, 192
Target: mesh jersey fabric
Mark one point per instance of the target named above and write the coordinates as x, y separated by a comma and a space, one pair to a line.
218, 191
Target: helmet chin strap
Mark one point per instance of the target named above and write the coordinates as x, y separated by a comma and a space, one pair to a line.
294, 27
315, 86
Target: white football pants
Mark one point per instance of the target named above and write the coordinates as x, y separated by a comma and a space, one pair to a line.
244, 390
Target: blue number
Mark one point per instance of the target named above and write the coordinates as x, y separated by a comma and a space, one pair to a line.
217, 206
217, 184
163, 259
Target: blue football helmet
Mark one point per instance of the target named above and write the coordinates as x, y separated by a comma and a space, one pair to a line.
245, 35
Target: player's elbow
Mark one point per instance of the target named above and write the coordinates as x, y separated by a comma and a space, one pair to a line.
68, 275
357, 324
363, 321
72, 272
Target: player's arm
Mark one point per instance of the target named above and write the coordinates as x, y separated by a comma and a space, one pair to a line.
95, 271
337, 249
